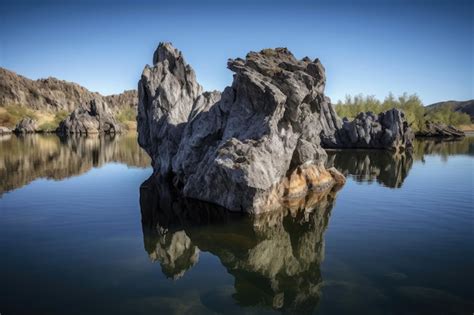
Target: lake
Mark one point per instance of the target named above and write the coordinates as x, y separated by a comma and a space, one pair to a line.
82, 231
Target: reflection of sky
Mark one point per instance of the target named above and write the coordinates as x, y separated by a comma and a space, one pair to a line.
370, 47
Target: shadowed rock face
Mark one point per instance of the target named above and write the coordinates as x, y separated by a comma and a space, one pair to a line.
274, 257
236, 148
26, 158
387, 130
90, 119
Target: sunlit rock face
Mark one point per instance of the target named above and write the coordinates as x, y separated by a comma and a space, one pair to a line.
26, 158
389, 169
239, 148
54, 95
274, 257
90, 118
438, 130
26, 125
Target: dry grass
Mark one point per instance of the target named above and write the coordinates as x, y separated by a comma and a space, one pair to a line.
467, 128
10, 115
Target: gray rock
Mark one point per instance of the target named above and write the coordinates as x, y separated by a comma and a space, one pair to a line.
26, 125
5, 130
438, 130
90, 119
387, 130
247, 149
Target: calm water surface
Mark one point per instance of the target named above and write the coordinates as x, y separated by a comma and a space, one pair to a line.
82, 231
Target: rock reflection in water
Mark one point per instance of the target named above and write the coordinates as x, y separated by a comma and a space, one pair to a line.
274, 257
443, 147
387, 168
391, 169
26, 158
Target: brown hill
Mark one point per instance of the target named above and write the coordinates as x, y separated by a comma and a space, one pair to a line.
54, 95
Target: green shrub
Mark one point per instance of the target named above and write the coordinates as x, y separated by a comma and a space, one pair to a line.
127, 114
48, 126
416, 114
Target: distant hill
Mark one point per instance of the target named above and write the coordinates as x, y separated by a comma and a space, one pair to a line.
466, 107
55, 95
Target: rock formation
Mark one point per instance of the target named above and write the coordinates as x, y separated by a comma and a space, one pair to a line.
26, 125
432, 129
260, 140
55, 95
4, 130
387, 130
245, 149
274, 257
89, 119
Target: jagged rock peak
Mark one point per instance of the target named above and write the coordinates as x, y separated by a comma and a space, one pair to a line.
166, 51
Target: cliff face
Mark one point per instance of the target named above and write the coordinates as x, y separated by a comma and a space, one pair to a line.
54, 95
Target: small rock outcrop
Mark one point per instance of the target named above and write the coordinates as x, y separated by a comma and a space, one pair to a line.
438, 130
90, 119
387, 130
248, 148
5, 130
26, 125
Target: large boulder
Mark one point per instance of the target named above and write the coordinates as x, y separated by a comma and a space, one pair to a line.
387, 130
438, 130
26, 125
92, 118
248, 148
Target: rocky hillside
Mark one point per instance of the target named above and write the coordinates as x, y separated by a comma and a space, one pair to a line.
466, 107
55, 95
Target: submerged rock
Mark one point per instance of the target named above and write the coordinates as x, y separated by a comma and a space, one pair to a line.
387, 130
90, 119
248, 148
438, 130
26, 125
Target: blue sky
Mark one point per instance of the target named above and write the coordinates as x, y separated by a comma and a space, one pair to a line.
369, 47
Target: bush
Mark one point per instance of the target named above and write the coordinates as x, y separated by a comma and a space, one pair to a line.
13, 113
415, 113
127, 114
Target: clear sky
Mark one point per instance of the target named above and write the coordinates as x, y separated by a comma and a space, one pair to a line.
369, 47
